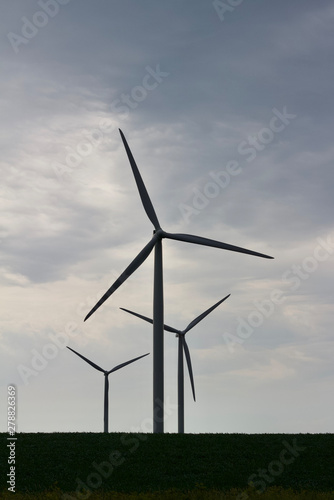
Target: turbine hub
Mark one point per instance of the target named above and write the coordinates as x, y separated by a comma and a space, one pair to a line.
159, 232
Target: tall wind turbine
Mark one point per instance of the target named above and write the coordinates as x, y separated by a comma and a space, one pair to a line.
182, 346
158, 316
106, 381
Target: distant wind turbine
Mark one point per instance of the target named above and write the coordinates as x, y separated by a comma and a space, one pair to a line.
158, 309
182, 346
106, 382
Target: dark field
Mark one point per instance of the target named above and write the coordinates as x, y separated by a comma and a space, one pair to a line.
188, 466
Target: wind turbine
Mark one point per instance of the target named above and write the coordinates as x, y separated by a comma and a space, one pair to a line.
106, 381
182, 346
158, 310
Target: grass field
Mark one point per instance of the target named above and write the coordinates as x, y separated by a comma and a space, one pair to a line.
168, 466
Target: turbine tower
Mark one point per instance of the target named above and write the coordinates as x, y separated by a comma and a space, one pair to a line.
158, 309
106, 381
182, 347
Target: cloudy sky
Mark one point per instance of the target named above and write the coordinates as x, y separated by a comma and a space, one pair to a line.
228, 110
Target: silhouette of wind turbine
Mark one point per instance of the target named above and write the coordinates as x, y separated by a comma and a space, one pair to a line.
106, 381
158, 312
182, 346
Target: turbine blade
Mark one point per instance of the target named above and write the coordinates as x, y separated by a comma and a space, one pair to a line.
187, 353
189, 238
126, 363
166, 327
87, 360
204, 314
146, 201
141, 257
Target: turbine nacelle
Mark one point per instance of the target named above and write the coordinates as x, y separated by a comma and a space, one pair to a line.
159, 234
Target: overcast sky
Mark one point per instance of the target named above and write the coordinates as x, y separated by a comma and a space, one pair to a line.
229, 115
